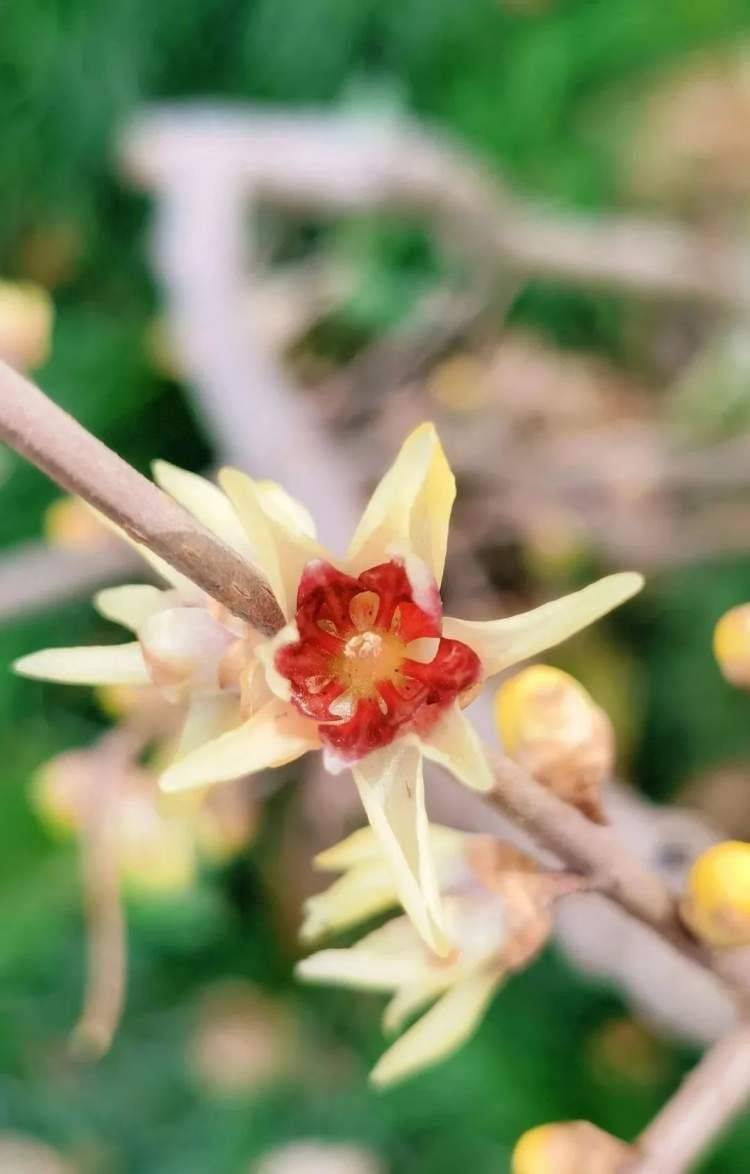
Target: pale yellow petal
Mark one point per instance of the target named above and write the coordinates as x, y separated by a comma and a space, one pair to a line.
360, 893
354, 968
207, 718
385, 959
363, 846
391, 785
273, 736
112, 664
440, 1031
204, 501
286, 509
131, 605
502, 643
266, 655
410, 508
184, 647
281, 550
455, 745
411, 998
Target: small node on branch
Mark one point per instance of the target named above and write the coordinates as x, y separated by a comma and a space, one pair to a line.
551, 726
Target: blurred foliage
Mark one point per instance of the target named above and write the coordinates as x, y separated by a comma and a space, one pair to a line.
522, 85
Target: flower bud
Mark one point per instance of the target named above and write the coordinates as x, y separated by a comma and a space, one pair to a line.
569, 1147
70, 525
716, 905
732, 645
59, 791
550, 725
25, 324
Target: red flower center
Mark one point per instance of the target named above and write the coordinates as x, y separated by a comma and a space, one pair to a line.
370, 662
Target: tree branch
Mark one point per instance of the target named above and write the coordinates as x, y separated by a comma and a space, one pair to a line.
55, 442
596, 851
706, 1101
312, 159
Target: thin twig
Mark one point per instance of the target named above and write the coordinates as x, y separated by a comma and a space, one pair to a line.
706, 1101
69, 454
337, 163
105, 919
596, 851
32, 575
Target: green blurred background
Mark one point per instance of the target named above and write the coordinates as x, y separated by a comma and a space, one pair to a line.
546, 91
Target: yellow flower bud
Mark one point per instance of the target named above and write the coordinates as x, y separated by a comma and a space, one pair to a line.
118, 701
59, 789
459, 383
732, 645
71, 525
569, 1147
26, 313
716, 905
550, 725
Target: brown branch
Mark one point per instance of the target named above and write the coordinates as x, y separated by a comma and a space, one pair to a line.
32, 575
55, 442
106, 949
706, 1101
333, 162
596, 851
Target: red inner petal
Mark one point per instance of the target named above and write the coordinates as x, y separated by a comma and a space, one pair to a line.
412, 695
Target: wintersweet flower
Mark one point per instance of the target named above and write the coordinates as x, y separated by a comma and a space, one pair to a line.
497, 906
366, 667
159, 841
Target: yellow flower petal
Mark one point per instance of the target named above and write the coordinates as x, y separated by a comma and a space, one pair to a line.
131, 605
502, 643
391, 785
350, 968
285, 509
440, 1031
116, 664
207, 718
411, 998
204, 501
273, 736
280, 548
455, 745
266, 652
363, 846
386, 959
410, 507
360, 893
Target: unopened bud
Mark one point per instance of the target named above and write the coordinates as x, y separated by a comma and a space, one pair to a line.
716, 905
60, 789
25, 324
71, 525
732, 645
569, 1147
550, 725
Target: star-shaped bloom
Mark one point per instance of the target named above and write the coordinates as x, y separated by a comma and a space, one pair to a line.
366, 667
498, 909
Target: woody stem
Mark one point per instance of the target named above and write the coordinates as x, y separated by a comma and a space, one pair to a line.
51, 439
